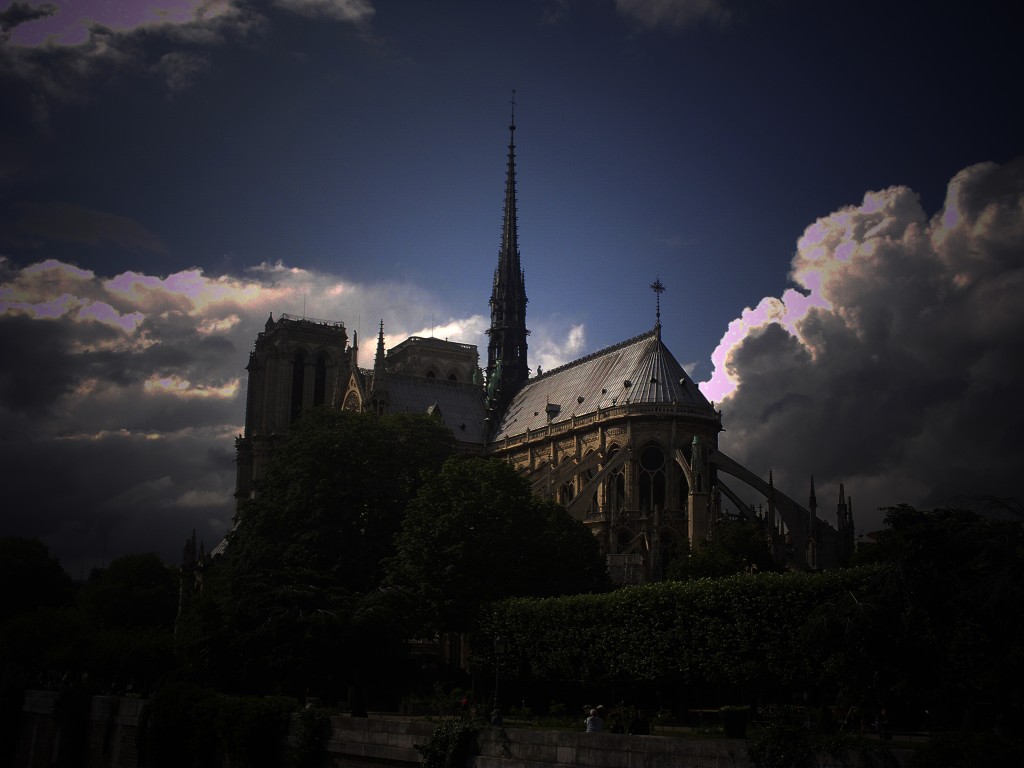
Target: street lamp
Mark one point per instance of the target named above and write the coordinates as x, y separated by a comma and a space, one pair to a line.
500, 648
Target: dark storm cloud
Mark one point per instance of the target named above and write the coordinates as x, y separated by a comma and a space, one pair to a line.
119, 44
18, 13
75, 224
31, 378
93, 498
896, 365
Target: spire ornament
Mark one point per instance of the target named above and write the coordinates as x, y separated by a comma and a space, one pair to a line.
659, 288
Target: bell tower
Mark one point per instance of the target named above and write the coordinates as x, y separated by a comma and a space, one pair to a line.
297, 363
506, 347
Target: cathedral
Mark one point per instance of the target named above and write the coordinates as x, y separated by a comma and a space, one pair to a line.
622, 438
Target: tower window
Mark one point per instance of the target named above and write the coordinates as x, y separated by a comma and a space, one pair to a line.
298, 383
320, 380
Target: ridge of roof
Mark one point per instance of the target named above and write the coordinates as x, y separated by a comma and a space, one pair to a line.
593, 355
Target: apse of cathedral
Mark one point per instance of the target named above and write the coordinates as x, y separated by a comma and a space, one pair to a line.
622, 438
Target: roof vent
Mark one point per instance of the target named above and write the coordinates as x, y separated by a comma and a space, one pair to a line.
552, 409
579, 399
627, 383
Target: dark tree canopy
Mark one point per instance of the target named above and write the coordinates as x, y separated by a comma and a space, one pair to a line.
954, 584
735, 547
133, 591
304, 563
334, 494
475, 533
30, 577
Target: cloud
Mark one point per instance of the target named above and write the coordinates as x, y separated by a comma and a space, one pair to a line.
352, 11
20, 13
674, 14
74, 224
120, 396
893, 363
553, 346
62, 54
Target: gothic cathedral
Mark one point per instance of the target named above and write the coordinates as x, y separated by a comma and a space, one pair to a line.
622, 438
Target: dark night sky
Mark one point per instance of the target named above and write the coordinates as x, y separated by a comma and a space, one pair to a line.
833, 195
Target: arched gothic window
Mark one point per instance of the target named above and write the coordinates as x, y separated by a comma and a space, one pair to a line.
652, 478
567, 492
615, 485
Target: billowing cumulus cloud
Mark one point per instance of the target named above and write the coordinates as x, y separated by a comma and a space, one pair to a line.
551, 347
894, 364
120, 395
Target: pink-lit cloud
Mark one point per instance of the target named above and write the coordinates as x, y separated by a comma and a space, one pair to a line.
893, 364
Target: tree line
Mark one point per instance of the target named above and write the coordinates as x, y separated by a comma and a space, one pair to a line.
367, 532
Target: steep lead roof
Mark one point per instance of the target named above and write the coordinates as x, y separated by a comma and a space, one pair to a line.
639, 371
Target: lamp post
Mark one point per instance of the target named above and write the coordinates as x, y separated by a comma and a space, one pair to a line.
500, 647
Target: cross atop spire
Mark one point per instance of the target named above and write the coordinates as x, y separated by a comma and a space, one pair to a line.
659, 288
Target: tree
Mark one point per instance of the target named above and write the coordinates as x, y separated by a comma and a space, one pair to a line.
133, 592
128, 611
335, 493
30, 577
301, 608
475, 533
953, 584
735, 547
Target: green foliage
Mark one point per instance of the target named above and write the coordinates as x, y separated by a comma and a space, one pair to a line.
335, 493
783, 743
179, 727
475, 533
734, 548
952, 629
133, 592
451, 744
30, 578
743, 630
301, 597
970, 750
786, 742
118, 633
309, 748
185, 724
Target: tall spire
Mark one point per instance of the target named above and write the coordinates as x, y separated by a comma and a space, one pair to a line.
506, 348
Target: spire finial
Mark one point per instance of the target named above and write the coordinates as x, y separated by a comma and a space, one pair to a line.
512, 101
659, 288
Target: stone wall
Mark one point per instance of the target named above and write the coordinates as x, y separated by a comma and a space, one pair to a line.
107, 739
112, 729
355, 743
